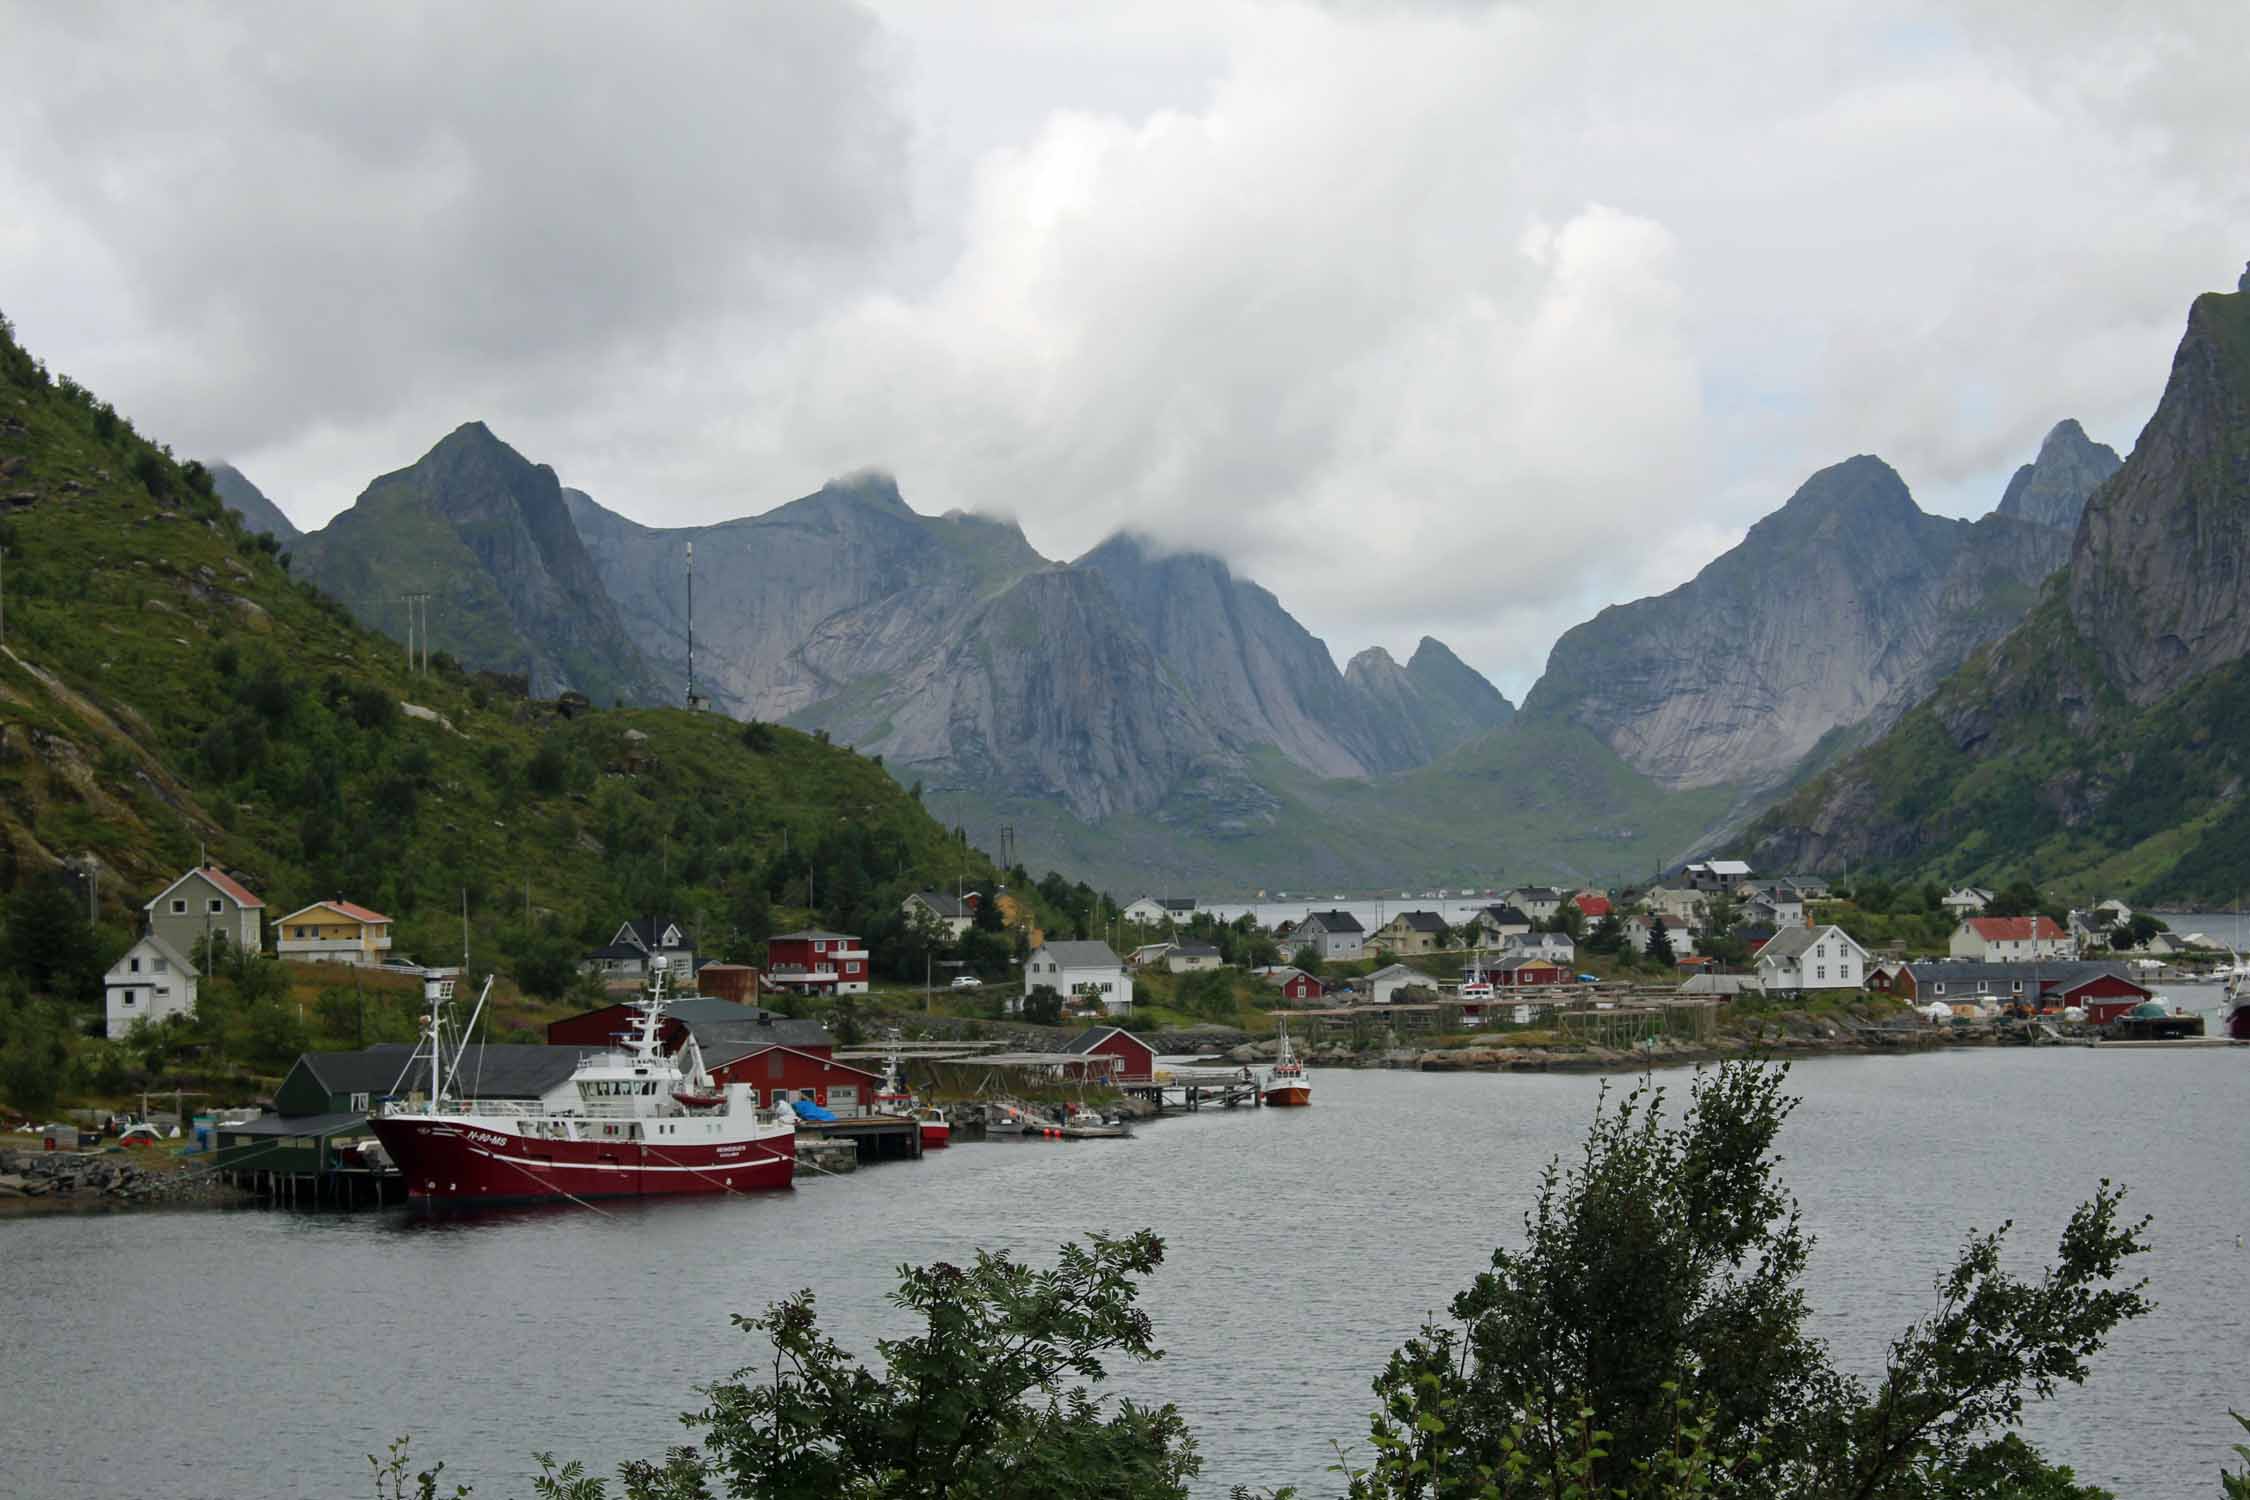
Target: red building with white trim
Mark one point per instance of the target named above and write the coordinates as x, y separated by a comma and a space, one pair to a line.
1136, 1059
775, 1071
816, 963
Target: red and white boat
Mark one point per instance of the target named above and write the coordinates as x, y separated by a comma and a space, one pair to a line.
637, 1124
893, 1097
937, 1133
1287, 1084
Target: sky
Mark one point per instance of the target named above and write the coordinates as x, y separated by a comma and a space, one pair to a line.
1440, 318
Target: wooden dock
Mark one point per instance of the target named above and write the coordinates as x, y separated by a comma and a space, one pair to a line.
878, 1137
1187, 1090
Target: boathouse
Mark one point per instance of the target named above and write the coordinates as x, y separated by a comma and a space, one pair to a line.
2104, 990
776, 1072
1136, 1059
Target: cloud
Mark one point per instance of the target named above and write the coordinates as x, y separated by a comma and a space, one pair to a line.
1450, 318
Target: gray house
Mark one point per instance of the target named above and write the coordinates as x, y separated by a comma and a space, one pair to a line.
207, 902
1334, 934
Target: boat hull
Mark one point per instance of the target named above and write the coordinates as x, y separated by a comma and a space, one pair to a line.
1289, 1095
936, 1137
444, 1161
2238, 1021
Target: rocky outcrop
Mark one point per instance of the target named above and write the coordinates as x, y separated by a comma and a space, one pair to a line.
485, 533
1837, 612
249, 502
2158, 575
2053, 488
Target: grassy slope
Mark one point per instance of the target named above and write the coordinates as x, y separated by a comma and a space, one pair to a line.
1534, 799
167, 685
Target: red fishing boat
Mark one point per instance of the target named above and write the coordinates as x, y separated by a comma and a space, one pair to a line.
634, 1123
1287, 1083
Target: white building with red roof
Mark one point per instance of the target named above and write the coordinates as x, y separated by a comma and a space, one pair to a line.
333, 932
207, 902
1995, 940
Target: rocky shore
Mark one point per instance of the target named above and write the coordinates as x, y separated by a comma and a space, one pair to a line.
85, 1181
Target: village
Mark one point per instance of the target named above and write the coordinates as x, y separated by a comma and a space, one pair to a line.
1714, 958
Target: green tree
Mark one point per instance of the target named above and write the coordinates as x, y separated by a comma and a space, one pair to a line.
34, 1050
1568, 919
1649, 1338
1042, 1005
1659, 949
1606, 935
50, 946
1308, 959
546, 966
993, 1397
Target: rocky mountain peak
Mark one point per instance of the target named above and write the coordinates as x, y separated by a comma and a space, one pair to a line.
2159, 568
2052, 489
250, 503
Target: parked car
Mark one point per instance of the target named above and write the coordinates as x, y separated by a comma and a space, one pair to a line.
967, 982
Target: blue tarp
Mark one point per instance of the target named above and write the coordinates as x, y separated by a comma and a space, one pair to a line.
807, 1110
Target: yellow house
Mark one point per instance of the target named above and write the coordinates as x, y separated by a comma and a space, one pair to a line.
333, 932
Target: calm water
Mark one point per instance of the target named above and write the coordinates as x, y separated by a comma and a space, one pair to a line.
253, 1354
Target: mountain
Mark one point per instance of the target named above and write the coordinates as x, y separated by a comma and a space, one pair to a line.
2101, 742
1264, 679
843, 591
487, 535
1433, 704
168, 687
1835, 613
250, 503
2052, 489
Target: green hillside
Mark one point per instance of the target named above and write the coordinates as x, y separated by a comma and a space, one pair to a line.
1536, 799
166, 686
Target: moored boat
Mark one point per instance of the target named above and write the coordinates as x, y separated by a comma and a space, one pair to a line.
937, 1132
1286, 1085
637, 1123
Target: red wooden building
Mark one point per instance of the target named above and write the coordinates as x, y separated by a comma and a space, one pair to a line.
1136, 1059
776, 1071
1521, 973
1302, 987
736, 982
714, 1022
2104, 990
817, 963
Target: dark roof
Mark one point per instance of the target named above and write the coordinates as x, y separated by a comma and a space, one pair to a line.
1334, 921
812, 933
1195, 950
1087, 1040
1754, 933
1176, 903
296, 1125
760, 1027
649, 929
1538, 892
1506, 915
618, 950
1422, 921
499, 1070
1088, 954
1516, 961
943, 904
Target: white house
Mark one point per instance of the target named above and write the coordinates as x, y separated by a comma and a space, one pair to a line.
1086, 970
1384, 984
1967, 901
207, 901
1150, 910
1187, 958
1335, 934
2006, 939
150, 981
1782, 908
1680, 905
1798, 959
941, 913
1554, 947
1640, 927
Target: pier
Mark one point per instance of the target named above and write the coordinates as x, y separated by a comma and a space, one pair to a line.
877, 1137
1186, 1090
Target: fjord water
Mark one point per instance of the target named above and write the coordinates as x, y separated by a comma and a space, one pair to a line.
261, 1353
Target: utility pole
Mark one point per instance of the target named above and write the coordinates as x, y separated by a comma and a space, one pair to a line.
408, 601
3, 597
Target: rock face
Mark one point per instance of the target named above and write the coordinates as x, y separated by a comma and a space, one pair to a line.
485, 533
2157, 576
2052, 489
839, 592
250, 503
1836, 612
2104, 732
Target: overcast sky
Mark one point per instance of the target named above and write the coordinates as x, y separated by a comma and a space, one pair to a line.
1443, 318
